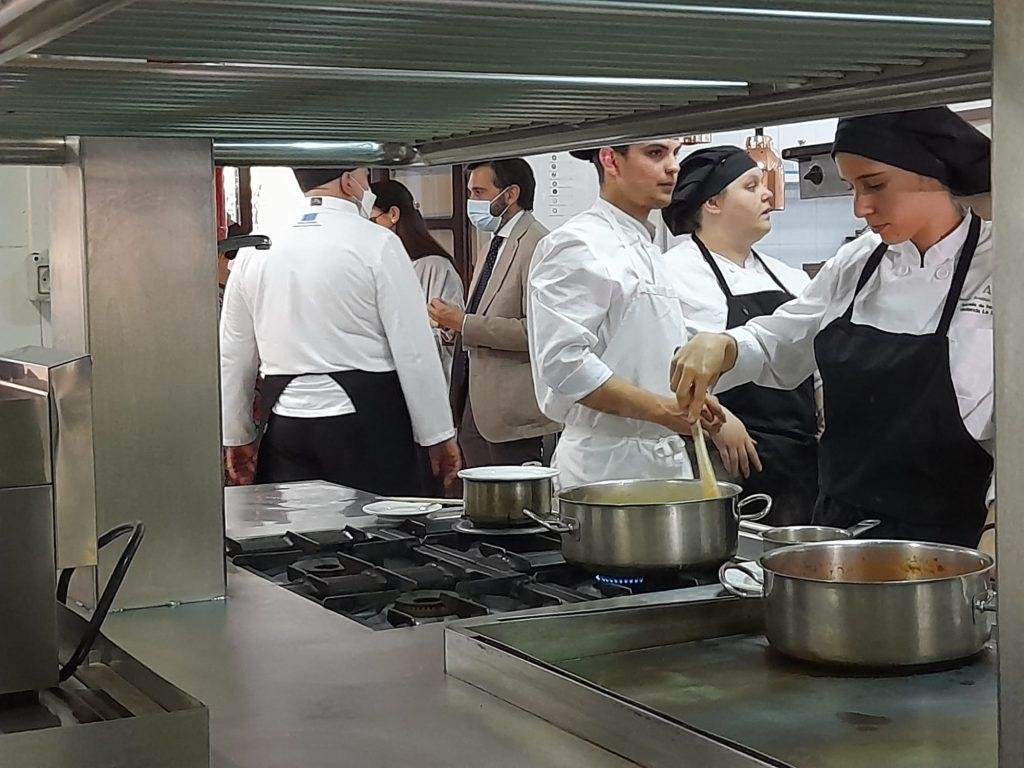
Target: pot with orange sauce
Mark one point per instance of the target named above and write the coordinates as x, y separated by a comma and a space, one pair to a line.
875, 603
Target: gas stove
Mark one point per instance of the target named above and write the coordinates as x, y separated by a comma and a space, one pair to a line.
426, 571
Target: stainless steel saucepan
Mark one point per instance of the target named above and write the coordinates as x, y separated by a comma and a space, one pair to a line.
494, 497
787, 535
634, 526
873, 602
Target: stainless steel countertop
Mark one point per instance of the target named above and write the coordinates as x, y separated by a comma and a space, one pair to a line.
291, 684
265, 510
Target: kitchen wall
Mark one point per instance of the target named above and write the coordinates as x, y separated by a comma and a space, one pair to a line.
24, 229
806, 231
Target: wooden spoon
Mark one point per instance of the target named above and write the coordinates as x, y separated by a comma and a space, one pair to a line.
708, 481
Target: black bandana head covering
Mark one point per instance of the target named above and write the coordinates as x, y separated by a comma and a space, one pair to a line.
702, 175
311, 178
933, 142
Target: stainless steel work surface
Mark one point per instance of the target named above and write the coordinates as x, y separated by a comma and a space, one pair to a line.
267, 510
703, 669
290, 684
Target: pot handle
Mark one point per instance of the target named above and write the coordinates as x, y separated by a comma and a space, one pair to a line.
739, 591
756, 515
986, 602
569, 526
862, 527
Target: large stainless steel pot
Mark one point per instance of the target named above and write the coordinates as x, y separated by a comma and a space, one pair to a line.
632, 526
494, 497
874, 602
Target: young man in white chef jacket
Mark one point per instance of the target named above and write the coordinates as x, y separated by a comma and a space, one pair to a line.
605, 306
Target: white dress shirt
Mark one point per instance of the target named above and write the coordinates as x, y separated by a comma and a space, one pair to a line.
905, 295
581, 282
506, 231
707, 310
334, 293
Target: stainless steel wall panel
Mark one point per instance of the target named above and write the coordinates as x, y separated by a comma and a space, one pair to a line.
142, 293
1008, 286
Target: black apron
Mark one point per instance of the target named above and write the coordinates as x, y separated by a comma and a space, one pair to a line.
895, 446
783, 422
374, 449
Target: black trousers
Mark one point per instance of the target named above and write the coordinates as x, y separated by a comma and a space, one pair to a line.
338, 449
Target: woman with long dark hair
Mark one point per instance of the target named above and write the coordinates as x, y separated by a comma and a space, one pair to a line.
396, 210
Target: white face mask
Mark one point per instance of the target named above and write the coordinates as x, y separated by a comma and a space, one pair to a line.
479, 213
366, 202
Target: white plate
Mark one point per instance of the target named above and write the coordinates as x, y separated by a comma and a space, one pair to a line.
741, 581
508, 473
400, 510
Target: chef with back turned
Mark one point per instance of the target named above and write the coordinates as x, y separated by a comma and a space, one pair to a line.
333, 317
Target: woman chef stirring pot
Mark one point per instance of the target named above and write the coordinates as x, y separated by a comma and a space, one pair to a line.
899, 325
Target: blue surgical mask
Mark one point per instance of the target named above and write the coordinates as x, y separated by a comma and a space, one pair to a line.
479, 213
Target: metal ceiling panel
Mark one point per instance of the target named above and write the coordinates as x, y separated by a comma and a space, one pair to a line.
452, 75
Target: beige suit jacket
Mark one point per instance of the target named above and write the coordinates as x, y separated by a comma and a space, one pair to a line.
500, 381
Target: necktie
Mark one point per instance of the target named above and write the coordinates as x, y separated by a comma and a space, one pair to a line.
485, 275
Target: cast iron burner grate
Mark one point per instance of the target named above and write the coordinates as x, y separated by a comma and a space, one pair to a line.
417, 573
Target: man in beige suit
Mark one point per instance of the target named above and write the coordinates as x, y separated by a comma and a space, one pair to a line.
492, 391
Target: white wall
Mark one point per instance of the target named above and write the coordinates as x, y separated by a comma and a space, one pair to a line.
806, 231
275, 198
24, 228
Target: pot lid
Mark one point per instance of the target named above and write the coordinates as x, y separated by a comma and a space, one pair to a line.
508, 473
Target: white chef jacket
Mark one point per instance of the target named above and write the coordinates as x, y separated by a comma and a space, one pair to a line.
604, 299
703, 296
905, 295
335, 293
439, 280
580, 286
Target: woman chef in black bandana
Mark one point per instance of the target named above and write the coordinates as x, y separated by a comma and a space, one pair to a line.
899, 325
723, 206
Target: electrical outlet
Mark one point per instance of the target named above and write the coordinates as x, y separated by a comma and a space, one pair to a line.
39, 276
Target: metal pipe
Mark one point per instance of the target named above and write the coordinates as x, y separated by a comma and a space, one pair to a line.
297, 154
240, 152
232, 71
27, 24
34, 152
972, 81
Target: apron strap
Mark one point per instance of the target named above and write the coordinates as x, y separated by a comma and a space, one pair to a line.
714, 267
865, 274
706, 253
270, 392
771, 274
963, 266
